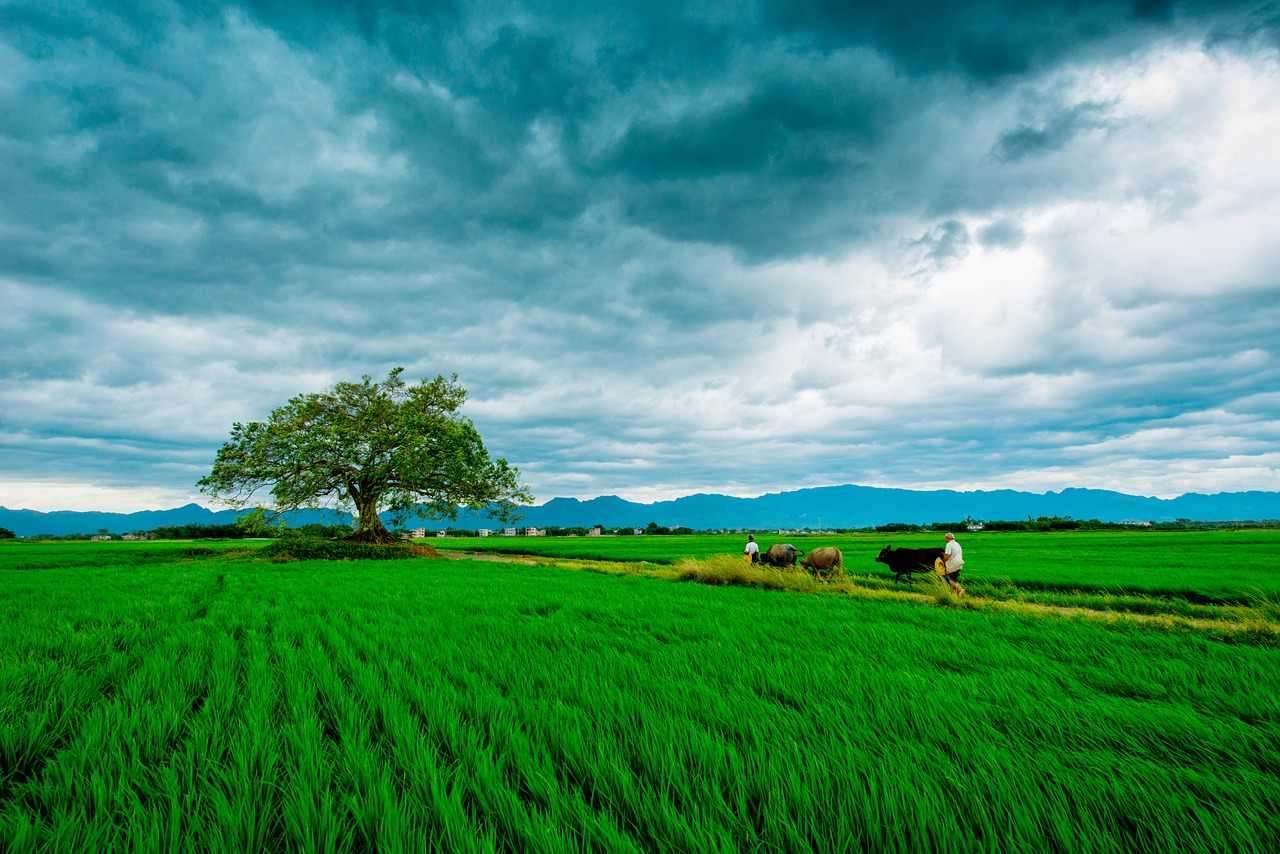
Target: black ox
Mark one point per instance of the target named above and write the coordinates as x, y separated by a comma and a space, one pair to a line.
781, 555
904, 562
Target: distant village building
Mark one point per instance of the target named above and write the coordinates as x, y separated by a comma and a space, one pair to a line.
484, 532
418, 533
441, 533
508, 532
637, 531
594, 532
976, 526
534, 532
99, 537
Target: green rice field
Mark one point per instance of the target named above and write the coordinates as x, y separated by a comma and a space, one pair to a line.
1093, 692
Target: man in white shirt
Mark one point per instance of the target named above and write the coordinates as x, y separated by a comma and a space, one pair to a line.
953, 556
751, 554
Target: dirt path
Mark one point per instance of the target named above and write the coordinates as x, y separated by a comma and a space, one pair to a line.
527, 561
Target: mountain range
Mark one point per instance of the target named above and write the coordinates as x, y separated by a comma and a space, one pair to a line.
847, 506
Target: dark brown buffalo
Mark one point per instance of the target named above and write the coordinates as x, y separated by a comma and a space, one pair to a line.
903, 562
825, 561
780, 554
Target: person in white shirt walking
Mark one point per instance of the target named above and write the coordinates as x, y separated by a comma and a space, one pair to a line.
953, 556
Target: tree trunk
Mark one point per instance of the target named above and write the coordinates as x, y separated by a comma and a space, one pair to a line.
371, 529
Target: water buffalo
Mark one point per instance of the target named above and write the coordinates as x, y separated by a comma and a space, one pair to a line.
826, 560
780, 554
903, 562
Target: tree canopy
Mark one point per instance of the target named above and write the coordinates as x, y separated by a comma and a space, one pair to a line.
369, 447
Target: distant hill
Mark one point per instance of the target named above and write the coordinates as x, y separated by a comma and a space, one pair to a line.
852, 506
61, 523
845, 506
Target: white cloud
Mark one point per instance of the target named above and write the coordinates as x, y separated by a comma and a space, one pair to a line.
48, 497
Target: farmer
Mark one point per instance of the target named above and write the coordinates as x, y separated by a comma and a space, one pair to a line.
953, 556
751, 554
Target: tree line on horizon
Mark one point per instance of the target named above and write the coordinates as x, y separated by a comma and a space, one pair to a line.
237, 531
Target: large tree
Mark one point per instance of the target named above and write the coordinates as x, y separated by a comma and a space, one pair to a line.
368, 447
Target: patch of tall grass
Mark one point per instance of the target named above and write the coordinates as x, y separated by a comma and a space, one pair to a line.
314, 548
732, 570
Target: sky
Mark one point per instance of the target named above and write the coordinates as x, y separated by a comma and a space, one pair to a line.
668, 248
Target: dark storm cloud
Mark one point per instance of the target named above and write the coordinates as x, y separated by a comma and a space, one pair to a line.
1002, 233
941, 245
1053, 135
989, 40
768, 134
